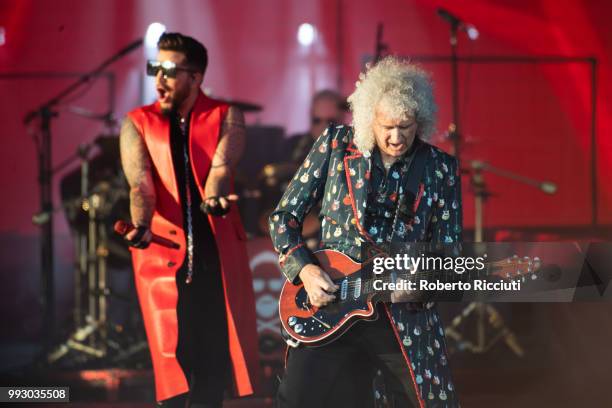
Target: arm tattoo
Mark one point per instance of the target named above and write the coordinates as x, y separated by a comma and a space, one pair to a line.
229, 150
232, 140
137, 167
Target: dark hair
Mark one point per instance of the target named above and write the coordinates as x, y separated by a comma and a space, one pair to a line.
330, 95
195, 53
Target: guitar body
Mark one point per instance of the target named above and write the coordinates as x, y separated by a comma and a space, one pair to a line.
311, 325
355, 300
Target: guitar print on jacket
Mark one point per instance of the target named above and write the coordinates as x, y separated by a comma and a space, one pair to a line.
337, 174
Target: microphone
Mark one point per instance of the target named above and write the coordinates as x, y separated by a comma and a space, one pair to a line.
122, 228
453, 20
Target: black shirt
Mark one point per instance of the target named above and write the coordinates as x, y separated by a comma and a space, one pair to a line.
205, 249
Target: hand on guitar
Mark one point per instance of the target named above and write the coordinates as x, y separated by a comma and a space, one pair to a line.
318, 285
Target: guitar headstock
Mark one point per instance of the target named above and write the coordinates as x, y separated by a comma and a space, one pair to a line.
516, 267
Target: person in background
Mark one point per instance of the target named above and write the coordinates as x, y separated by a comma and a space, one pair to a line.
327, 107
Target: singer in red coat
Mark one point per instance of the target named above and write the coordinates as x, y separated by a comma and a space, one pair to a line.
178, 155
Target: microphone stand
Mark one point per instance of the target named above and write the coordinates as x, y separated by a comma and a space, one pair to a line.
454, 133
486, 314
46, 113
481, 193
381, 47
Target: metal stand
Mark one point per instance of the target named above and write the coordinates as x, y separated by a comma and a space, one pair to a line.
46, 231
486, 315
45, 113
91, 326
80, 270
454, 133
95, 339
453, 129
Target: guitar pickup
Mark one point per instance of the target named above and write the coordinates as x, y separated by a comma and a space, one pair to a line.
344, 289
357, 291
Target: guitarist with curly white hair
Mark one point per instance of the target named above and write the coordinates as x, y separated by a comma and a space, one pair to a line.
378, 182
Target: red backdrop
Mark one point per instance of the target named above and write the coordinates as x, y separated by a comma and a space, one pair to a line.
532, 119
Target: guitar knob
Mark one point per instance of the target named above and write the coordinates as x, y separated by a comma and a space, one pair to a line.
292, 320
298, 328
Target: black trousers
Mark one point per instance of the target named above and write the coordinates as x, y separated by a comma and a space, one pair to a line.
341, 373
203, 343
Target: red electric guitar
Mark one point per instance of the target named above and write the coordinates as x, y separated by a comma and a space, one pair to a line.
357, 298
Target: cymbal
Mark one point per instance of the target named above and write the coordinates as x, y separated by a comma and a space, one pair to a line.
242, 105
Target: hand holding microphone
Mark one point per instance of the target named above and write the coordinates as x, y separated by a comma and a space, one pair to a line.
141, 237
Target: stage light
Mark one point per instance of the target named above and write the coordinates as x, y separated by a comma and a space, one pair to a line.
306, 34
472, 32
154, 31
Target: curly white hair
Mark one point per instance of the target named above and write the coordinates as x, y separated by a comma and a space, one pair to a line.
399, 89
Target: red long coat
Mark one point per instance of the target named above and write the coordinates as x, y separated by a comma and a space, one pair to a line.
155, 267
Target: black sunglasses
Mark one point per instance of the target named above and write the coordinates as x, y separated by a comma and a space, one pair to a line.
168, 68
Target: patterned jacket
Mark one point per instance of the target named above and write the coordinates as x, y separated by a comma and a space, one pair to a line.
335, 172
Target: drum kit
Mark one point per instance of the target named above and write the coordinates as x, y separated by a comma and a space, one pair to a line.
93, 196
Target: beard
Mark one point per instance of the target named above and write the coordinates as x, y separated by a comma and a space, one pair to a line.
176, 100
